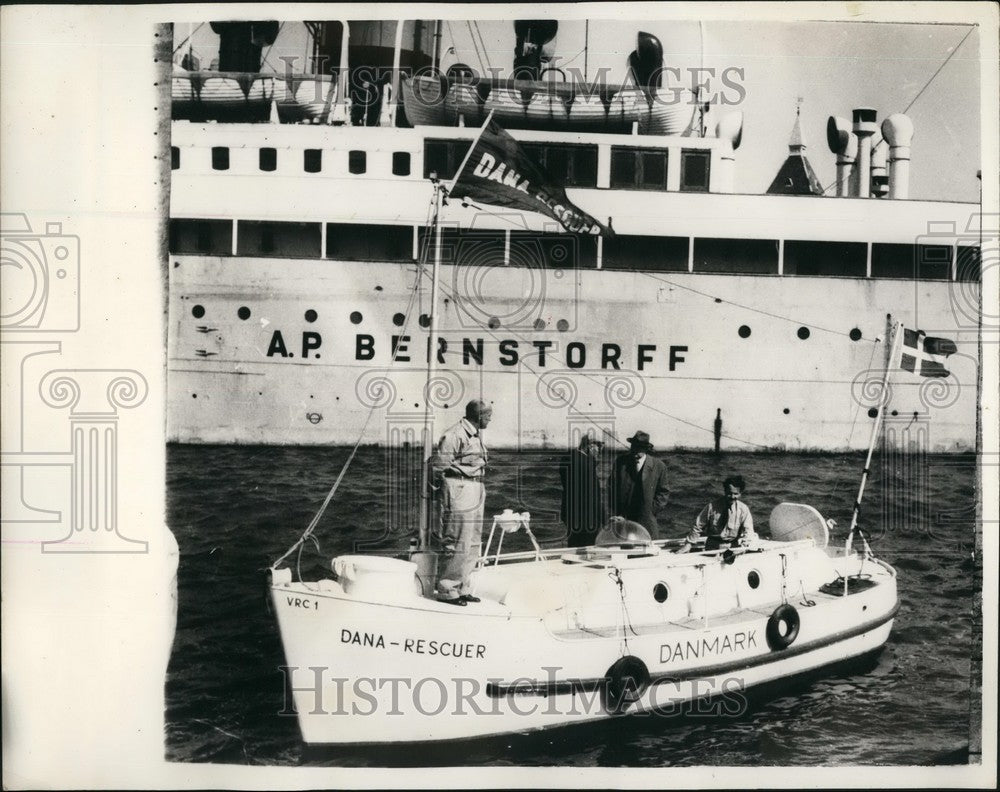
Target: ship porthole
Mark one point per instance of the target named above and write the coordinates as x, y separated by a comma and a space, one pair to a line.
855, 334
356, 317
425, 320
753, 579
198, 311
539, 324
398, 319
803, 333
661, 592
311, 315
493, 323
243, 313
562, 325
744, 331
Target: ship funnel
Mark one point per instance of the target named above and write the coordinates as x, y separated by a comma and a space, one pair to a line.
731, 128
646, 61
533, 46
241, 43
844, 144
880, 177
898, 131
864, 127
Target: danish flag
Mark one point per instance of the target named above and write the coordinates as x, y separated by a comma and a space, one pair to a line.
927, 351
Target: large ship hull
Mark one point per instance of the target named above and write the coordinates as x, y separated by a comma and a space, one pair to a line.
785, 362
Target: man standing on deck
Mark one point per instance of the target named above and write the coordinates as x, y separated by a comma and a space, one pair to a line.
637, 488
461, 460
724, 521
582, 506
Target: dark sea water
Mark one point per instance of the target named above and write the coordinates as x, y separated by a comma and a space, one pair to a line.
235, 509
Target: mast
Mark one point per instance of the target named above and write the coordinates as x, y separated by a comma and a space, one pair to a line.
882, 401
440, 192
425, 489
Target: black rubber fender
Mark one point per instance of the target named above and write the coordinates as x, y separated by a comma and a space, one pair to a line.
778, 638
625, 682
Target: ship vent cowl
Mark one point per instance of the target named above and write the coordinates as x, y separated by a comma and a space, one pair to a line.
865, 128
897, 129
844, 143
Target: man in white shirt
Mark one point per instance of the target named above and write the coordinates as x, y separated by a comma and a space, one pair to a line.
724, 521
461, 461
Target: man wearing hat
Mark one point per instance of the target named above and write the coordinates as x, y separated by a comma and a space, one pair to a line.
461, 462
582, 504
637, 488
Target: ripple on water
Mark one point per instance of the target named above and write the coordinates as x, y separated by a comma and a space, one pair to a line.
234, 509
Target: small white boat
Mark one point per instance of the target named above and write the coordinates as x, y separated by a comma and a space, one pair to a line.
572, 635
565, 636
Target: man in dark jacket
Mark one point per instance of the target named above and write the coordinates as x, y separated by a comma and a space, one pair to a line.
582, 504
637, 487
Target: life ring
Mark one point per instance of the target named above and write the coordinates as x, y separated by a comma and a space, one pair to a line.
782, 627
625, 682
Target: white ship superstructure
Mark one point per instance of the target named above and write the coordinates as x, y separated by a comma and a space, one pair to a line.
297, 302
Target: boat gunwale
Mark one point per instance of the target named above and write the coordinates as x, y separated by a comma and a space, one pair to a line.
556, 687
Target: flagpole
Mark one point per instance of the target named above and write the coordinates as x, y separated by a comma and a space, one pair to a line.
883, 393
465, 160
432, 345
425, 490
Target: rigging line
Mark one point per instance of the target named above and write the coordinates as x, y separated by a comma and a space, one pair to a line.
454, 41
307, 534
507, 218
190, 36
486, 52
538, 376
878, 137
594, 379
745, 307
475, 46
564, 64
263, 61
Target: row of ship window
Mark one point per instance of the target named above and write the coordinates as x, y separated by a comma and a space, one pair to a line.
391, 243
574, 165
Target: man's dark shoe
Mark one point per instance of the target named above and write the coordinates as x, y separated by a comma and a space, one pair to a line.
456, 601
469, 598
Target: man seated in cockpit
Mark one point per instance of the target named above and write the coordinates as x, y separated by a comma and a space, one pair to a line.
724, 521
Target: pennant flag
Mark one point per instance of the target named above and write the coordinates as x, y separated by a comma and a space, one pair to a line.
498, 171
924, 355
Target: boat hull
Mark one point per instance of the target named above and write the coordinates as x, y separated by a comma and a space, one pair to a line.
378, 672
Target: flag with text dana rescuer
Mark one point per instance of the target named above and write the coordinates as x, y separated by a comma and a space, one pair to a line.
499, 172
925, 355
